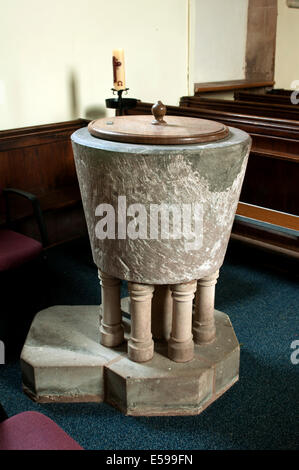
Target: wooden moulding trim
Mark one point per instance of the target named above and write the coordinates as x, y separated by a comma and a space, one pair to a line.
230, 85
269, 216
36, 135
269, 237
274, 154
267, 245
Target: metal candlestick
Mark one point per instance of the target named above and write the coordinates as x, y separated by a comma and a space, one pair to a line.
120, 104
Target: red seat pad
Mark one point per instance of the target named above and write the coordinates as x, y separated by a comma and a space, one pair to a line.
16, 249
31, 430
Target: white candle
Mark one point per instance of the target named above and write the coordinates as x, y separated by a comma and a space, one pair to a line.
118, 69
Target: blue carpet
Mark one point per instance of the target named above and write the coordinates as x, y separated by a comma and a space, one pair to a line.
259, 412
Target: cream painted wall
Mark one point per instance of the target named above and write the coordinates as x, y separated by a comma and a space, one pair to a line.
48, 49
218, 40
287, 41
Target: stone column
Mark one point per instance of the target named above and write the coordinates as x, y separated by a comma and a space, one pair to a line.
180, 344
161, 312
111, 328
204, 330
140, 344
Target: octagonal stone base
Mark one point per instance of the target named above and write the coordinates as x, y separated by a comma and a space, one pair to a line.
63, 360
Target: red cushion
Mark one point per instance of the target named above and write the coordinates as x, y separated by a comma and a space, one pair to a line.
34, 431
16, 249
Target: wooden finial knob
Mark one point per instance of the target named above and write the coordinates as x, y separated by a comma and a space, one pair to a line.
159, 111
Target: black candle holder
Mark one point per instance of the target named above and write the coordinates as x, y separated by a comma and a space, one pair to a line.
121, 104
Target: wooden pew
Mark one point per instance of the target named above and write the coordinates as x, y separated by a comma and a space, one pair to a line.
279, 111
268, 212
279, 91
39, 159
267, 98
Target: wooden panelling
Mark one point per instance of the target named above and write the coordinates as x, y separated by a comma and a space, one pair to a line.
38, 135
271, 183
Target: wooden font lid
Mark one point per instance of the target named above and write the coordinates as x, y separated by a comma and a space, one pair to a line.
143, 129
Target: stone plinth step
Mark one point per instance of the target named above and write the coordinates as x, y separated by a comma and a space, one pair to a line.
62, 360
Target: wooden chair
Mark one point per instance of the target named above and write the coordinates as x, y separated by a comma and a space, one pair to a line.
15, 248
23, 274
32, 430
